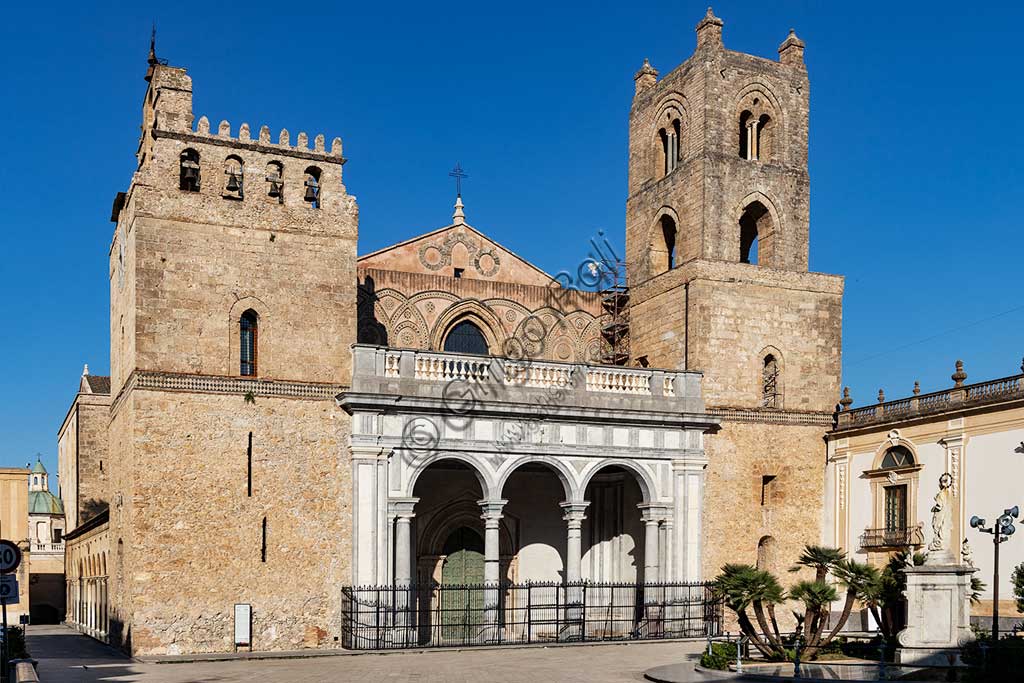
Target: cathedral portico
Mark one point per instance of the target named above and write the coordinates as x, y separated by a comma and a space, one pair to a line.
546, 471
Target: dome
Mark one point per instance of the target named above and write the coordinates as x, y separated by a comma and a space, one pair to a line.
44, 503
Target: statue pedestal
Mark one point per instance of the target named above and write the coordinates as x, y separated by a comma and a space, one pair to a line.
938, 614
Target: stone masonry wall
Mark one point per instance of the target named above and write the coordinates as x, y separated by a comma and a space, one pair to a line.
184, 266
711, 185
714, 314
735, 520
93, 460
195, 545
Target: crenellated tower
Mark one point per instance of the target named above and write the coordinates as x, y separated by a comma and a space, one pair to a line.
717, 236
232, 313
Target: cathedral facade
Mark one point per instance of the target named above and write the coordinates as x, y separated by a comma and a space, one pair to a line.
286, 419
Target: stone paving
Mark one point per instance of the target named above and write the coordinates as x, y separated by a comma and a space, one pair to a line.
67, 656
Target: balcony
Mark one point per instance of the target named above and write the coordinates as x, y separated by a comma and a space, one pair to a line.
47, 547
493, 380
898, 537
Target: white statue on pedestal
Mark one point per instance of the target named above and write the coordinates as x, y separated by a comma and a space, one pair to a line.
966, 556
942, 515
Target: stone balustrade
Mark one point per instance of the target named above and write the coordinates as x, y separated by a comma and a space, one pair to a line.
375, 367
47, 547
956, 398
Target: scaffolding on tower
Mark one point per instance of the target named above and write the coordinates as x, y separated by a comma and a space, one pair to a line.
615, 318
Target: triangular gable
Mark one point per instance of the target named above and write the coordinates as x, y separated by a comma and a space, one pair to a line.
457, 246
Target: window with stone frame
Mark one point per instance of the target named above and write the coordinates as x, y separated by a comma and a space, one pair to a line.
771, 396
248, 327
897, 456
465, 337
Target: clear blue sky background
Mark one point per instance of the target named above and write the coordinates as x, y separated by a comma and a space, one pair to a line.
915, 157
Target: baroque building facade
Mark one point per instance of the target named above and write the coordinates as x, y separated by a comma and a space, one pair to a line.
449, 407
883, 470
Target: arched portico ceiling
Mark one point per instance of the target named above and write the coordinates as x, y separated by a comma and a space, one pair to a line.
484, 474
566, 475
644, 478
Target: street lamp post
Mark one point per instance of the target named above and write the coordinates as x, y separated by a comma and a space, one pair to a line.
1001, 532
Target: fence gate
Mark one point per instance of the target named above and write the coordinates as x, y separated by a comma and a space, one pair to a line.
443, 614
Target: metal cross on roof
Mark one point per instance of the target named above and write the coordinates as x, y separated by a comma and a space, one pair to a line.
458, 174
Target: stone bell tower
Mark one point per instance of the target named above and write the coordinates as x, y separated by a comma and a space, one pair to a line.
232, 314
717, 232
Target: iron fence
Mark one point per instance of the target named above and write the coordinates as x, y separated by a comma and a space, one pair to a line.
439, 615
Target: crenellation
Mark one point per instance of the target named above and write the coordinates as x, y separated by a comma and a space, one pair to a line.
264, 135
203, 127
282, 138
224, 129
318, 143
243, 133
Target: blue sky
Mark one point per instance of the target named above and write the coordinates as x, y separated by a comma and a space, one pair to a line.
914, 152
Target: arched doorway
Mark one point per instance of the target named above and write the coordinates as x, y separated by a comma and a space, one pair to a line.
462, 609
464, 557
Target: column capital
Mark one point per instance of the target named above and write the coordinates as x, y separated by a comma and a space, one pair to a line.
691, 464
653, 512
368, 452
402, 508
574, 511
491, 509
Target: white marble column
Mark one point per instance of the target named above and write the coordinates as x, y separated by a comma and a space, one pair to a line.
752, 138
492, 558
667, 556
651, 517
688, 507
574, 515
402, 509
491, 510
370, 547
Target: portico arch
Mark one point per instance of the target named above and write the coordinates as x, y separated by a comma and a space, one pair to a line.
565, 475
643, 477
489, 489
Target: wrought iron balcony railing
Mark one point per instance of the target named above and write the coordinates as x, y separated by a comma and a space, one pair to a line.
892, 537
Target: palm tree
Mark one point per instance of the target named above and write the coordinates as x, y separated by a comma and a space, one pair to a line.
741, 586
816, 596
861, 581
821, 559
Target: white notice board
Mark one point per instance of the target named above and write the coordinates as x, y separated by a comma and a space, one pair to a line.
243, 625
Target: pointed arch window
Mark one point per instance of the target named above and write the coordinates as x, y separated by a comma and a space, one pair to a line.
763, 137
668, 233
746, 141
669, 136
465, 337
771, 396
248, 327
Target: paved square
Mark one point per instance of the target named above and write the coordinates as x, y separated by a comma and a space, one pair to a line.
69, 657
